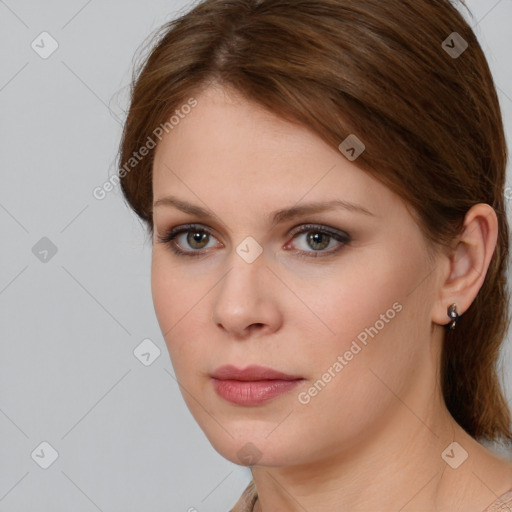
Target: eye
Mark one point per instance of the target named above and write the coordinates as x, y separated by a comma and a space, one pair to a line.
196, 238
318, 238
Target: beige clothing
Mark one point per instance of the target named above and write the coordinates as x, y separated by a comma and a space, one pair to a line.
249, 497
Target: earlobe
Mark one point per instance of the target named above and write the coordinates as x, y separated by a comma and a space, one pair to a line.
468, 264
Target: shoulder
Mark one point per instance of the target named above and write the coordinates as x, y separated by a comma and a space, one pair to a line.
247, 500
502, 504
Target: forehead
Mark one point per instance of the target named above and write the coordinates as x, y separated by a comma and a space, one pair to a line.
226, 126
228, 149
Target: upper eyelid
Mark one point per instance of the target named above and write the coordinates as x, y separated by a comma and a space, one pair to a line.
298, 229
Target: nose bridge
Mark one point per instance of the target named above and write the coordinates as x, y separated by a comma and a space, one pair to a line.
243, 297
247, 264
243, 279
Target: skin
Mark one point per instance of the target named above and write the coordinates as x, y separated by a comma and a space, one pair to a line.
372, 438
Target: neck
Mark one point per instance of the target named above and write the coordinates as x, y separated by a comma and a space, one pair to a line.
395, 467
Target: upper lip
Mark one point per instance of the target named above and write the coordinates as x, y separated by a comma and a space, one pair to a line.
251, 373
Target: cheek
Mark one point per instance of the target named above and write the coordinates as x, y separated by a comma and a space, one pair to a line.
354, 297
163, 287
374, 315
171, 300
179, 308
174, 293
356, 380
363, 315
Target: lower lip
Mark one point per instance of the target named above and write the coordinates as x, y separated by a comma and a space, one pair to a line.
252, 392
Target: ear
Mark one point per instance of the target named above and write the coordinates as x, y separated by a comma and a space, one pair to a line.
467, 262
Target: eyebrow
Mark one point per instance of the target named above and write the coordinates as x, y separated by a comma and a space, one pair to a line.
274, 218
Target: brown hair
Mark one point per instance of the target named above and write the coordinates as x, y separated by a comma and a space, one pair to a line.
430, 121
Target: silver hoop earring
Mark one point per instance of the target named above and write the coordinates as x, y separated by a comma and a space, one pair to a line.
452, 313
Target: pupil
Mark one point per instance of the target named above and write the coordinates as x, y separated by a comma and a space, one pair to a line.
197, 237
317, 238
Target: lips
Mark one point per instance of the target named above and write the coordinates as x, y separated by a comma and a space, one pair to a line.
251, 373
253, 385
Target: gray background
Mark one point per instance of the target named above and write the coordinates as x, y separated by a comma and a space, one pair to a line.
69, 325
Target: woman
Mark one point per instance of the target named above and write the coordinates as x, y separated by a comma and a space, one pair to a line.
323, 182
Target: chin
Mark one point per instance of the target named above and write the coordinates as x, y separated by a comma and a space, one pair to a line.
255, 449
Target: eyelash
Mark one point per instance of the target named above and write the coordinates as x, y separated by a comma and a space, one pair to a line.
168, 239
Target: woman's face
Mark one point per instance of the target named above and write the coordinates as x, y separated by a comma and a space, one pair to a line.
341, 297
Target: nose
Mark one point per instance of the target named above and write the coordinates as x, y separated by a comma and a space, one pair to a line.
246, 300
